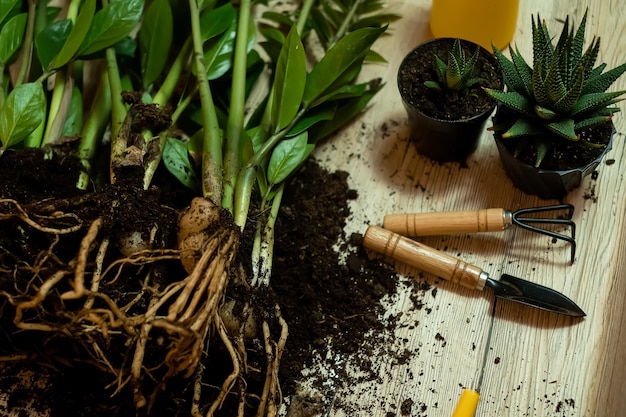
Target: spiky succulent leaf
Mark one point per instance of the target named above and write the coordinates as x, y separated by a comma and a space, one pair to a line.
513, 100
563, 128
512, 79
523, 127
440, 68
542, 150
595, 101
456, 74
453, 73
523, 70
564, 104
602, 81
433, 84
591, 122
545, 114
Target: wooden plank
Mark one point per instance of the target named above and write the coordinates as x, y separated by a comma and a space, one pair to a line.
538, 363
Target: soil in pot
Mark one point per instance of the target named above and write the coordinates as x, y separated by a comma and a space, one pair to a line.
446, 125
318, 292
564, 165
418, 68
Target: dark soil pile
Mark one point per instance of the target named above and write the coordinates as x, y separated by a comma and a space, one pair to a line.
418, 67
328, 289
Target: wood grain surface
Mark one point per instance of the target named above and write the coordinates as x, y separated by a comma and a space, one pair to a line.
538, 363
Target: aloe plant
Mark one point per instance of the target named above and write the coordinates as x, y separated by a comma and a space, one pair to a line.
456, 74
562, 94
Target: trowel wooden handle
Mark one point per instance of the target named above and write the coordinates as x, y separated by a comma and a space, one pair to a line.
448, 223
423, 257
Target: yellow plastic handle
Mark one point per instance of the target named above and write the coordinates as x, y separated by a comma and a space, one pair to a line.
468, 402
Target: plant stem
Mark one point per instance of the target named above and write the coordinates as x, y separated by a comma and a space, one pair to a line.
93, 128
305, 10
166, 90
263, 246
247, 175
345, 24
235, 125
212, 181
34, 15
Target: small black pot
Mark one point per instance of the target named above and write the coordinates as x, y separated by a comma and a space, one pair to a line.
546, 184
441, 139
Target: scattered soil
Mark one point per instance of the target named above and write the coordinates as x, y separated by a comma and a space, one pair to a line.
418, 67
328, 289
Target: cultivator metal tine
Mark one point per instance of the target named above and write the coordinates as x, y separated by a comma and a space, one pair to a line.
528, 222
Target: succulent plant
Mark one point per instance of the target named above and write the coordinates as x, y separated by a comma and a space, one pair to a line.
562, 94
456, 75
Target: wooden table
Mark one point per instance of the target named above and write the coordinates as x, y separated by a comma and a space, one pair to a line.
538, 363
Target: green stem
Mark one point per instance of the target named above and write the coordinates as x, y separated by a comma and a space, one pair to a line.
345, 24
59, 105
247, 175
212, 181
235, 124
34, 13
305, 10
93, 128
263, 246
166, 90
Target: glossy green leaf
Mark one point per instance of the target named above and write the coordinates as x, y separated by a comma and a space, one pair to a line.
8, 8
286, 157
111, 24
217, 21
50, 40
289, 81
345, 113
23, 110
349, 50
177, 162
218, 55
312, 117
155, 39
12, 36
76, 35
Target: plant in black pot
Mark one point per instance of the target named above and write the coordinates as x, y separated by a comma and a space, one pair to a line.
441, 85
554, 123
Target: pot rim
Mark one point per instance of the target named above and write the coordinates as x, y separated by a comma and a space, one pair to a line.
418, 110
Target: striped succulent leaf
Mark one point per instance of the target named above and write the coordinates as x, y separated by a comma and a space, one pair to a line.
456, 74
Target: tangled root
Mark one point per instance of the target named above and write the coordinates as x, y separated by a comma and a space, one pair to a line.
172, 321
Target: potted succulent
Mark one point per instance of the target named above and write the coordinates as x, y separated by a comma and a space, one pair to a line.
441, 85
553, 124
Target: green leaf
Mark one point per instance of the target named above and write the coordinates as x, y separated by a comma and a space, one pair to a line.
289, 81
312, 117
513, 100
23, 110
177, 162
8, 8
523, 127
111, 24
349, 50
217, 21
286, 157
76, 35
346, 111
603, 81
218, 56
12, 36
155, 39
563, 128
50, 40
594, 101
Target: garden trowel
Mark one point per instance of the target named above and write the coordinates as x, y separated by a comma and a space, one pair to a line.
410, 252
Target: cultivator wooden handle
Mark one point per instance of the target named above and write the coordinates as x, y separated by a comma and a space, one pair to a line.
447, 223
423, 257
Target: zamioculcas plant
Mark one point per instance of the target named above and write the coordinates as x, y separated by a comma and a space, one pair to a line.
177, 98
562, 94
456, 75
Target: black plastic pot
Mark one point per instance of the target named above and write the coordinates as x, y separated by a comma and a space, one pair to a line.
546, 184
440, 139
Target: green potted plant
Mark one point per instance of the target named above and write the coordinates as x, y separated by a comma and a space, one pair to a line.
553, 124
441, 85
